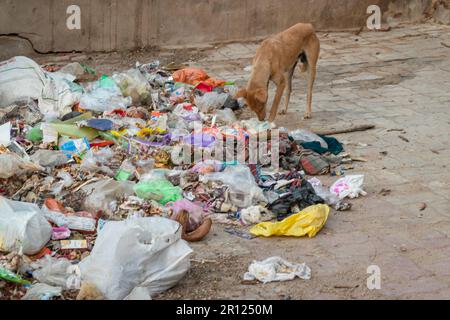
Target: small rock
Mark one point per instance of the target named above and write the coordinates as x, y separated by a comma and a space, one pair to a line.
422, 206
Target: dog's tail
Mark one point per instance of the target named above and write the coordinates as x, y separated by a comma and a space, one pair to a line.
310, 54
304, 60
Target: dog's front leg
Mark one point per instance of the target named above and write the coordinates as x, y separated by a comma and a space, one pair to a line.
288, 92
276, 101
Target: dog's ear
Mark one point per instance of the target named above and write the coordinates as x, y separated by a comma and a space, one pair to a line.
242, 93
261, 95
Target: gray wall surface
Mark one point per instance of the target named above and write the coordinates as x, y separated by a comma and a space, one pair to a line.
108, 25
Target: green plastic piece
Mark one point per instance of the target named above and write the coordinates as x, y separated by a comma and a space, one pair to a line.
160, 190
71, 130
123, 175
106, 82
35, 134
7, 275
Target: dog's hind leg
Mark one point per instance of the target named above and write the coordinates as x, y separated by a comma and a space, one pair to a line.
312, 51
311, 79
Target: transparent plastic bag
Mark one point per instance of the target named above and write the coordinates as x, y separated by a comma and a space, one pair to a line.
65, 182
301, 135
126, 171
196, 213
133, 84
329, 197
97, 160
104, 95
154, 174
276, 269
102, 100
13, 165
102, 195
42, 291
52, 271
208, 166
49, 158
244, 191
210, 101
254, 126
226, 115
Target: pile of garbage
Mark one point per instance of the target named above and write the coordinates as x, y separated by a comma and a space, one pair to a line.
105, 179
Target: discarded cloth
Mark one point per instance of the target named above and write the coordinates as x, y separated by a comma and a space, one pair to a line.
302, 196
334, 146
194, 76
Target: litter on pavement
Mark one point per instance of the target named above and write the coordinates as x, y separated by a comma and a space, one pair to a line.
106, 179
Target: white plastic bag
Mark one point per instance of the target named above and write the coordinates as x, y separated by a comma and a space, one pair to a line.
22, 225
21, 79
5, 134
59, 95
135, 256
349, 186
276, 269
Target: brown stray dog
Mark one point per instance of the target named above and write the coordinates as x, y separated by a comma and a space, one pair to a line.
276, 60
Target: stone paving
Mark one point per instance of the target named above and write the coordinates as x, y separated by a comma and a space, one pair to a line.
399, 81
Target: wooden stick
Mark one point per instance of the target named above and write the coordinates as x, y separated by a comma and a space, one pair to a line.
334, 131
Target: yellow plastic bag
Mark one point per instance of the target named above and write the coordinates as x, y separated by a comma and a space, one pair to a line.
307, 222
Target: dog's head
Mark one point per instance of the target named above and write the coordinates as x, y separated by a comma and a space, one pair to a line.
256, 100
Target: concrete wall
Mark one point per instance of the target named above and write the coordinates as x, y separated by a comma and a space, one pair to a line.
108, 25
417, 11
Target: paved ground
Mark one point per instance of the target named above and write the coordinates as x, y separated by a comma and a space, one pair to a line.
396, 80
